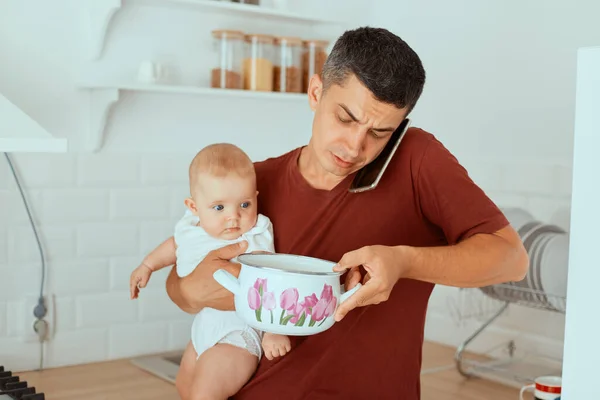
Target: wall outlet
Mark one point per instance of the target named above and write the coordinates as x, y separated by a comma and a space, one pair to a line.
29, 319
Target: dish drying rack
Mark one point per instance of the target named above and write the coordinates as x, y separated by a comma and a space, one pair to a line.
487, 305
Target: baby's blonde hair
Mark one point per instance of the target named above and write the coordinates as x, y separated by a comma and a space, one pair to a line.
220, 160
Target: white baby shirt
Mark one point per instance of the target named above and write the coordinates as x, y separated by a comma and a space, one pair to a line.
193, 243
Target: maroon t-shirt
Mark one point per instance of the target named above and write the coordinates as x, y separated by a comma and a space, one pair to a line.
425, 198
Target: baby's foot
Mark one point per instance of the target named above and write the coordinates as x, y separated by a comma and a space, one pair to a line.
275, 345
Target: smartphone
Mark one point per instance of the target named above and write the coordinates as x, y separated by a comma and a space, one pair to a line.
368, 177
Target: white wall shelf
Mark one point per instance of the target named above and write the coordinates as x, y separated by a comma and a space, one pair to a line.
105, 95
19, 133
102, 12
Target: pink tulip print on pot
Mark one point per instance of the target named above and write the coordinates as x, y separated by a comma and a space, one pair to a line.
296, 311
285, 294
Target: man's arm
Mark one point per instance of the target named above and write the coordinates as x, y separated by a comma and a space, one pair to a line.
483, 248
199, 289
481, 260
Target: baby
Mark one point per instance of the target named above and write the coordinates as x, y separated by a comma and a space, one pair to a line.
224, 351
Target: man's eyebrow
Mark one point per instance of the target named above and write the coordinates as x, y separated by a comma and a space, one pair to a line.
386, 129
349, 113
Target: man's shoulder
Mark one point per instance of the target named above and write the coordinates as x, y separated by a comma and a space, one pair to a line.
418, 142
274, 164
413, 147
417, 139
417, 146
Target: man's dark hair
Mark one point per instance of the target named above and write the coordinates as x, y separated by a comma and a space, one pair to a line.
381, 61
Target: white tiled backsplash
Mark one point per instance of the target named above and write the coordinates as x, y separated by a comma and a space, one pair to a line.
98, 215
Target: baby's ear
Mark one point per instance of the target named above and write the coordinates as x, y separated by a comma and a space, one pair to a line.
191, 205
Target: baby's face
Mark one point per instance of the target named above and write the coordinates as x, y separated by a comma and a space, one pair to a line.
226, 206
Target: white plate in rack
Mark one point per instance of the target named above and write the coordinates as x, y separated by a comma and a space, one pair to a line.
554, 274
517, 217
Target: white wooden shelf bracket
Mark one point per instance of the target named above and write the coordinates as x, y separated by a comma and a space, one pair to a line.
101, 13
101, 104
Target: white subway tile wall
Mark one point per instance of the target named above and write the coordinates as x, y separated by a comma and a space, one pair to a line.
97, 217
179, 334
126, 340
16, 314
3, 247
78, 346
74, 206
21, 355
79, 277
2, 318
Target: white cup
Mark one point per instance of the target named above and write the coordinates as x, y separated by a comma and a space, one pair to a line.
150, 72
544, 388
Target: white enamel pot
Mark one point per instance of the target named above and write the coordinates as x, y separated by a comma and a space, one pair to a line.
286, 294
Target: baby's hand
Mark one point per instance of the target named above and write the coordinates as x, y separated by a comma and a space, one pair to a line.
139, 279
275, 345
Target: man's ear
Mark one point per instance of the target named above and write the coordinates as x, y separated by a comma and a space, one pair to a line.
191, 205
315, 90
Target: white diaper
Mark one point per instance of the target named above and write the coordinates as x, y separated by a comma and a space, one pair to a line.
212, 326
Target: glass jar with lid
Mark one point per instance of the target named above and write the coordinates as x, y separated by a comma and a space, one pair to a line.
258, 62
227, 72
288, 65
313, 59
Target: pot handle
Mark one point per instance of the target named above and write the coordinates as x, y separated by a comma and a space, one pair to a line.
344, 296
227, 280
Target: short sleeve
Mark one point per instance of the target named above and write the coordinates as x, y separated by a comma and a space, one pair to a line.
450, 199
261, 236
192, 244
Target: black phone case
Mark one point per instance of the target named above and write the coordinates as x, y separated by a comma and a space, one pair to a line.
367, 175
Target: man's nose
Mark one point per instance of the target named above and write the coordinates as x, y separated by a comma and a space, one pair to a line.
356, 142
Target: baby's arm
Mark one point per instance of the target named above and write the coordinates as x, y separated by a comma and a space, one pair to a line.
161, 257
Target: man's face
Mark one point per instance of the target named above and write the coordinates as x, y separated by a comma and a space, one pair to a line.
350, 127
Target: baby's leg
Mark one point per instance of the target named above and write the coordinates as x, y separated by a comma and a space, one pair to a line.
185, 375
222, 371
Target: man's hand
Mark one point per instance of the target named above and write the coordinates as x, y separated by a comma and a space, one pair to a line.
199, 289
384, 266
353, 278
275, 345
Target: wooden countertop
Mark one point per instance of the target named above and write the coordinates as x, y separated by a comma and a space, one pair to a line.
121, 380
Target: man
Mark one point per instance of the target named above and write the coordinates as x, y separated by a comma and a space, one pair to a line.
425, 223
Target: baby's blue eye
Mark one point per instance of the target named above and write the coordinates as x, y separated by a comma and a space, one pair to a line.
218, 207
246, 204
